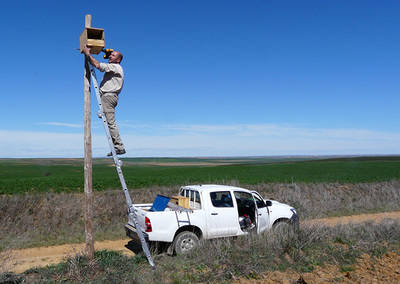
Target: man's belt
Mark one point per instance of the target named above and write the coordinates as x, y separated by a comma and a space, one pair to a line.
108, 94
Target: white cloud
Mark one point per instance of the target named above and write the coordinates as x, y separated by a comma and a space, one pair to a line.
205, 140
72, 125
204, 128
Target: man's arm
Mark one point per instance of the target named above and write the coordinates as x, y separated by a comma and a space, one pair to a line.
94, 62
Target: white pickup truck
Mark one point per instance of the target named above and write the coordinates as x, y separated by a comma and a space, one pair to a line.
215, 211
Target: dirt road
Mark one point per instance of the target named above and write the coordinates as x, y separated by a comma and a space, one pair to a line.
20, 260
376, 217
23, 259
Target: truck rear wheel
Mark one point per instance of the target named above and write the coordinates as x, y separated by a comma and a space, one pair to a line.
185, 242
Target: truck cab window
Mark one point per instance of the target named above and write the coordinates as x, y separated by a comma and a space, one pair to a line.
221, 199
194, 198
195, 201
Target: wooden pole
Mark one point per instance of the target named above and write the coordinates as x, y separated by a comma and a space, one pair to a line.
88, 207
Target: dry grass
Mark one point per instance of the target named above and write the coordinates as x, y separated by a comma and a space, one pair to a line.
226, 259
50, 218
46, 219
325, 199
222, 260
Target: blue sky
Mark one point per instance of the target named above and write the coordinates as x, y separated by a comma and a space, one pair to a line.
207, 78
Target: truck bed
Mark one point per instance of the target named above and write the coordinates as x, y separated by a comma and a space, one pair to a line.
164, 223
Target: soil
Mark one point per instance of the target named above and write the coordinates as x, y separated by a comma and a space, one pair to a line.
387, 266
385, 269
377, 217
24, 259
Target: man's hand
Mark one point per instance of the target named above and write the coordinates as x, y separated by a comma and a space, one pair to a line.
86, 50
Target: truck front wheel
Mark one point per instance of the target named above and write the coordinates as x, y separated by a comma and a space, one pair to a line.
284, 228
185, 242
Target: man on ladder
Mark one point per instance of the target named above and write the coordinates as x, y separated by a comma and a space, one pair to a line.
110, 87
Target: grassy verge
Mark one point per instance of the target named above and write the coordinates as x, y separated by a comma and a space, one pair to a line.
220, 261
31, 220
30, 176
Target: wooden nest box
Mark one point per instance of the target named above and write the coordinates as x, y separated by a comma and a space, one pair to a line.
93, 38
180, 200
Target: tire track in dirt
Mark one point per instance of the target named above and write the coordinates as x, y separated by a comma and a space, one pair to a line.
20, 260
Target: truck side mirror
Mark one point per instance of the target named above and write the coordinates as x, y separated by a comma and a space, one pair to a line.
268, 203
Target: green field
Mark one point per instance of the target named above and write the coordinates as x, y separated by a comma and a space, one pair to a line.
66, 175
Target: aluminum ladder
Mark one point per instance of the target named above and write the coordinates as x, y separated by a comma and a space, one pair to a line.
118, 165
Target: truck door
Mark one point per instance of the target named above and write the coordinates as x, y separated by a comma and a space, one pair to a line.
262, 214
246, 208
222, 218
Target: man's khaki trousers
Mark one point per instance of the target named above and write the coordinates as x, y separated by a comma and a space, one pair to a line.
109, 102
